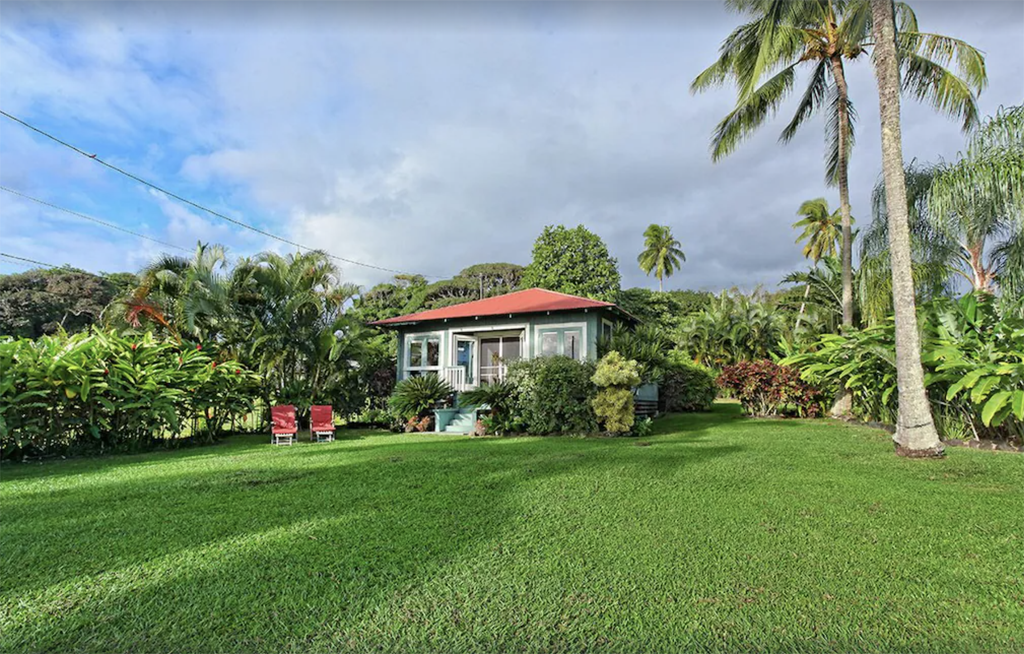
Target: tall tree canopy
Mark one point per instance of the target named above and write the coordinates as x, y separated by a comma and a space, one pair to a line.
39, 301
662, 253
762, 57
574, 261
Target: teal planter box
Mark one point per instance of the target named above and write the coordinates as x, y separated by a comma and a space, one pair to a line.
442, 417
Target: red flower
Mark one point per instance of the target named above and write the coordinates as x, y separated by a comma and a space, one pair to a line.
199, 347
134, 345
106, 371
238, 372
213, 364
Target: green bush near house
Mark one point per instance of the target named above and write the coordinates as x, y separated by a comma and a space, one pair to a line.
415, 396
615, 378
553, 395
686, 386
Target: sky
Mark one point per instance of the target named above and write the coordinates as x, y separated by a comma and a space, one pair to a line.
425, 137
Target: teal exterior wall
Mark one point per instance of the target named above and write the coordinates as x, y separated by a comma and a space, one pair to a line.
590, 321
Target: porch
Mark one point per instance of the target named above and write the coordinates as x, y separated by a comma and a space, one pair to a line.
482, 357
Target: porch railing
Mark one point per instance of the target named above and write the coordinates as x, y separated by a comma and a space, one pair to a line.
456, 378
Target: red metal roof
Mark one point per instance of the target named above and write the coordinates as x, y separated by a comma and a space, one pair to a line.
533, 300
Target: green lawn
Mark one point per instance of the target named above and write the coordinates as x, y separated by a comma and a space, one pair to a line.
723, 534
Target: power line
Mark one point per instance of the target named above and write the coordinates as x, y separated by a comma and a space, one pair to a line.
33, 261
194, 204
95, 220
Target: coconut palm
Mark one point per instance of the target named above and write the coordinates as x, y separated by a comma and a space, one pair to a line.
915, 430
822, 231
763, 56
662, 253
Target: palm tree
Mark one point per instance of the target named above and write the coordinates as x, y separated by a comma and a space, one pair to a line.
915, 430
662, 253
824, 35
956, 211
822, 231
184, 295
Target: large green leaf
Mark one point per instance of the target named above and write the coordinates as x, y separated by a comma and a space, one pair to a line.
992, 407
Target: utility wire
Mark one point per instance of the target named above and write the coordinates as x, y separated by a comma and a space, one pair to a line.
95, 220
33, 261
194, 204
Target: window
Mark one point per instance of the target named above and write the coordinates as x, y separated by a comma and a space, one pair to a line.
548, 344
564, 340
606, 329
422, 354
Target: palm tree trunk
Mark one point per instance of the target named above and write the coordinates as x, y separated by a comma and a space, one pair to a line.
843, 407
661, 285
915, 431
799, 317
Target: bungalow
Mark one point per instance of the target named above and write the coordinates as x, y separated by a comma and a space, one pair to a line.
471, 344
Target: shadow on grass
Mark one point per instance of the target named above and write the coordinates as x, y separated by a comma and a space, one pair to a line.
235, 548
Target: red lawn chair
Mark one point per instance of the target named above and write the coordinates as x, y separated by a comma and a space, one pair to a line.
283, 430
321, 423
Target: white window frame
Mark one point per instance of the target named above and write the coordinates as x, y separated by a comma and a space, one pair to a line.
407, 346
582, 326
610, 325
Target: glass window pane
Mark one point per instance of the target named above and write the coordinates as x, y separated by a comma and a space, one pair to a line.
548, 344
489, 351
572, 345
510, 348
607, 329
433, 351
415, 353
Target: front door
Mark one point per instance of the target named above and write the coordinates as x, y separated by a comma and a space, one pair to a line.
465, 356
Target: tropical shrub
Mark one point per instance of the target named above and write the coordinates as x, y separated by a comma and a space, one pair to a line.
765, 388
686, 386
615, 378
500, 398
415, 396
553, 395
101, 391
647, 345
973, 357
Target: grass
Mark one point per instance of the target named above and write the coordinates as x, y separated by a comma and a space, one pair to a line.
723, 534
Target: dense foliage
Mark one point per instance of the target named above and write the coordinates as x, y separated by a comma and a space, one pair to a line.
765, 388
99, 391
973, 352
41, 302
615, 378
500, 399
574, 261
553, 395
686, 386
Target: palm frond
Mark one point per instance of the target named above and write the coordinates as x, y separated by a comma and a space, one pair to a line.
817, 88
928, 81
750, 113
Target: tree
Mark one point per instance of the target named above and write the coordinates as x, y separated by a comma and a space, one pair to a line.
184, 295
957, 211
574, 261
822, 230
38, 302
662, 253
824, 35
915, 431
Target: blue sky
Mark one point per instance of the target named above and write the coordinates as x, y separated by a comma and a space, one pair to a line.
423, 137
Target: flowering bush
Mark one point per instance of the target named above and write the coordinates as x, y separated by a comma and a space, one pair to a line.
765, 388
